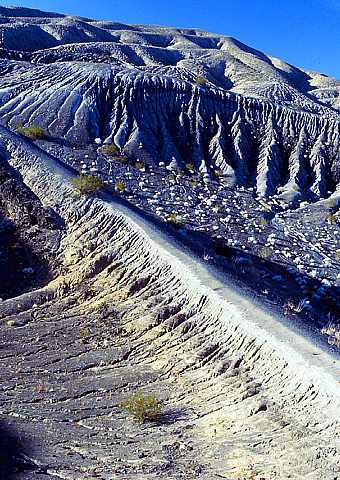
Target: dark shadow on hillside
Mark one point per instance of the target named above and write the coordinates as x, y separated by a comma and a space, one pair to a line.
20, 267
171, 416
13, 460
29, 234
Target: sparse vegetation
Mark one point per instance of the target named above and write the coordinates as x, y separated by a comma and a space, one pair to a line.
142, 406
176, 176
331, 202
121, 158
109, 149
247, 473
173, 219
190, 167
10, 323
200, 80
87, 184
120, 186
139, 165
263, 222
34, 132
332, 218
265, 252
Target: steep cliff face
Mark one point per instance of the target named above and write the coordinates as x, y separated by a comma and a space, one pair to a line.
262, 122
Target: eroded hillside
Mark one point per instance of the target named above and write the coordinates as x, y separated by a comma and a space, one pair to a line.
218, 165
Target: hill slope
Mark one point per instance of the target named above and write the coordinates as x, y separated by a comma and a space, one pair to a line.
200, 142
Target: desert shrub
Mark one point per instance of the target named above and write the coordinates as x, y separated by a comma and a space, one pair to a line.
84, 334
190, 167
33, 132
121, 158
174, 219
109, 149
332, 218
139, 165
143, 407
87, 184
120, 186
200, 80
263, 222
332, 330
265, 252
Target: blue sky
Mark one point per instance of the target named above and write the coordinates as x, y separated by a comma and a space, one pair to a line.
305, 33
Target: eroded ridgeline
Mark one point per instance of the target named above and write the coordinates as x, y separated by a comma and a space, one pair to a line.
252, 141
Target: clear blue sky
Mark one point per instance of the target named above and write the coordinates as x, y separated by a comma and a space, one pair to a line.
305, 33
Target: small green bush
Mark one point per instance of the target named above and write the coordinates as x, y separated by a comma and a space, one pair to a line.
87, 184
200, 80
109, 149
120, 186
121, 158
143, 407
332, 218
139, 165
190, 167
265, 252
34, 132
174, 220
